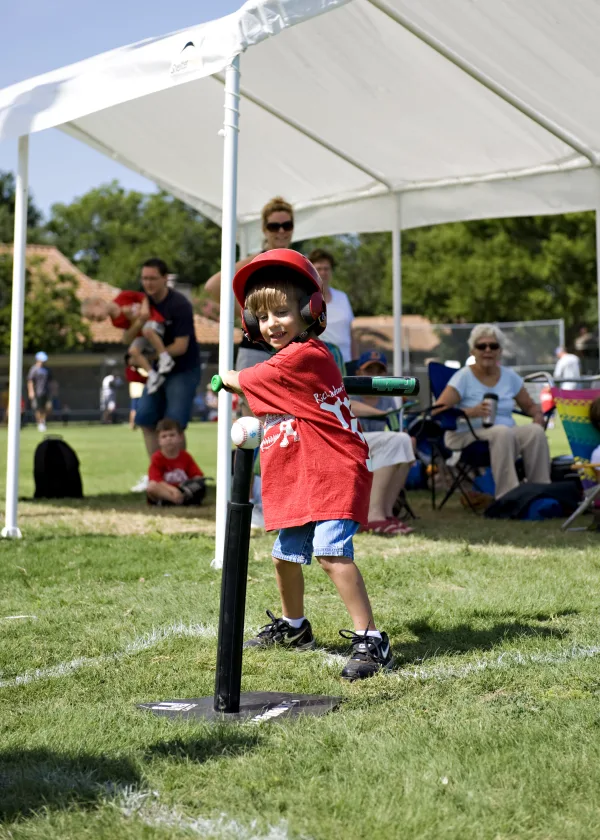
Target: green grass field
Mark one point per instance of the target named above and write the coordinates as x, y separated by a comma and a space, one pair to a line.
489, 727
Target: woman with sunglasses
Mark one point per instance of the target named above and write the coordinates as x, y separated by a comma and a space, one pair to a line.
278, 228
466, 390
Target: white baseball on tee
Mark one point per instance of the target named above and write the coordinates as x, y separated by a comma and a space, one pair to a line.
247, 433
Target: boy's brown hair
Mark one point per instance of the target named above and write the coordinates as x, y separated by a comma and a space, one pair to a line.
273, 286
276, 205
168, 425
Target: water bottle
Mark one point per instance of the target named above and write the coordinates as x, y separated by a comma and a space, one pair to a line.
491, 400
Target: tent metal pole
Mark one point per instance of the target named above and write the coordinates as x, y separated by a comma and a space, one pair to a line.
244, 250
228, 237
487, 81
16, 341
397, 283
561, 333
597, 173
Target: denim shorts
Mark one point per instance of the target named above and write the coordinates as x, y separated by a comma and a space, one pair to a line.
174, 399
327, 538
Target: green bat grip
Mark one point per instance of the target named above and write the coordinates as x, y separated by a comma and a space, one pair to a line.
216, 383
393, 386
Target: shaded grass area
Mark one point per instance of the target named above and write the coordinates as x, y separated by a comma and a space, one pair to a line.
488, 728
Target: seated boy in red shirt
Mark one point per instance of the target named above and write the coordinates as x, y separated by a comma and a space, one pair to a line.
147, 344
173, 473
316, 477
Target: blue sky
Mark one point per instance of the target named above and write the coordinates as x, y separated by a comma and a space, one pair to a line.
39, 35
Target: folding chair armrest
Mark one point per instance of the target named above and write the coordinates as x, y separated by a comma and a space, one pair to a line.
435, 410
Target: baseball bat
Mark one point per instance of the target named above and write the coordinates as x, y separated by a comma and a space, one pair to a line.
393, 386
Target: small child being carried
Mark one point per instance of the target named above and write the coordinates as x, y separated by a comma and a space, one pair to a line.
316, 477
148, 344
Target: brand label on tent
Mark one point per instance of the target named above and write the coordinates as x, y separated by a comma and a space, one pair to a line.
188, 60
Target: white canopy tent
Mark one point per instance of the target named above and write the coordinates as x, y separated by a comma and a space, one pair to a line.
372, 115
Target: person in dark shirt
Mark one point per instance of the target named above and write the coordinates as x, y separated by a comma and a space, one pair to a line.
38, 389
174, 400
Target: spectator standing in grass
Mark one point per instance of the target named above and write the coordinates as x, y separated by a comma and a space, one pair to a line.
136, 382
108, 398
176, 398
38, 389
278, 229
277, 218
339, 309
567, 368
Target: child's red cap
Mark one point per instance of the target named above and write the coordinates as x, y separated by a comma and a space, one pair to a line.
284, 257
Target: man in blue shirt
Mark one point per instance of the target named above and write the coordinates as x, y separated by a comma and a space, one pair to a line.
176, 398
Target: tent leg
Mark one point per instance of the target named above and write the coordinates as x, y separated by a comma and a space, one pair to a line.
598, 260
228, 235
397, 284
16, 342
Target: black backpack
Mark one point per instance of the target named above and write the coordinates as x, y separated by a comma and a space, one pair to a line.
56, 471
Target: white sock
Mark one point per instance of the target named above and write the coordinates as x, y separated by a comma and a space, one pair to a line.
164, 355
296, 623
374, 633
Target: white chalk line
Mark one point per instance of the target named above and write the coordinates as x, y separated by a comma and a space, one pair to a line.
418, 673
147, 808
148, 640
421, 673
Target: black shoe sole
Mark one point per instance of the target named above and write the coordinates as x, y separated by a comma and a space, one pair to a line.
302, 648
356, 677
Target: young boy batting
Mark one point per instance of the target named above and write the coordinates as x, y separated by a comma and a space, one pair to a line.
316, 479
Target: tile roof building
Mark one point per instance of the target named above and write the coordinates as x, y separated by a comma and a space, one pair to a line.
53, 262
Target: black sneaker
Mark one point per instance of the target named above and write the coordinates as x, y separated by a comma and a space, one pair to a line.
369, 655
279, 632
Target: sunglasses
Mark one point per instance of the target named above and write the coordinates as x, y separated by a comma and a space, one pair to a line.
491, 345
274, 227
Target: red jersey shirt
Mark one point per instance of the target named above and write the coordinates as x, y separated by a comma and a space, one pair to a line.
314, 458
132, 300
173, 470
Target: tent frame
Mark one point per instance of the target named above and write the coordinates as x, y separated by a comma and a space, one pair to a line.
228, 217
11, 528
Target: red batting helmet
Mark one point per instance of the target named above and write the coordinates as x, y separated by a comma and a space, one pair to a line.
312, 307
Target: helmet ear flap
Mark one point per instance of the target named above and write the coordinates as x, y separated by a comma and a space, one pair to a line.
313, 310
251, 326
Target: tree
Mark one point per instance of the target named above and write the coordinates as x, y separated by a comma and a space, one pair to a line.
496, 270
7, 212
52, 318
109, 232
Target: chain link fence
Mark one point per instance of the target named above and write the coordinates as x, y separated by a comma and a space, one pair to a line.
530, 345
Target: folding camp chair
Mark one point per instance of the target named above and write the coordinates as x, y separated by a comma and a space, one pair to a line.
574, 411
471, 459
475, 457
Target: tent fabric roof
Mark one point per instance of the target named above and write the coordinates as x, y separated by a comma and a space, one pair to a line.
463, 109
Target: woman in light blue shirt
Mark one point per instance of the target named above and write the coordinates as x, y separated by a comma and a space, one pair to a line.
507, 441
